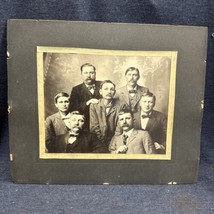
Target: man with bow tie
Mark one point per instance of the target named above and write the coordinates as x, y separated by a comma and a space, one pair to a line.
131, 93
86, 93
104, 114
152, 121
78, 140
131, 141
58, 123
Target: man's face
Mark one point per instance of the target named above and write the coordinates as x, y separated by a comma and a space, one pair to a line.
107, 91
132, 77
147, 104
89, 75
62, 104
76, 123
126, 122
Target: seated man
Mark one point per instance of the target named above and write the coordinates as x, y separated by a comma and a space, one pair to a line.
152, 121
77, 140
104, 114
132, 141
58, 123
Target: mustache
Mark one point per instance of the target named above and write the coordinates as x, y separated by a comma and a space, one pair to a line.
125, 125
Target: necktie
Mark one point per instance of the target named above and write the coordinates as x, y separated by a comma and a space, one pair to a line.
146, 116
125, 137
91, 87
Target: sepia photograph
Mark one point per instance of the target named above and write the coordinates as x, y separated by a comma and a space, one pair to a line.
105, 104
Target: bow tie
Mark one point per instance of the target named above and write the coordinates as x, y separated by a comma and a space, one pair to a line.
91, 87
65, 118
132, 91
73, 135
146, 116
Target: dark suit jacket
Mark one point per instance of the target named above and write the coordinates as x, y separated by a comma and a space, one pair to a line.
101, 124
156, 126
123, 96
85, 143
139, 142
54, 126
80, 95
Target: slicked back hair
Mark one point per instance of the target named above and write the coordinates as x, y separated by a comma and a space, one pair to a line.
60, 94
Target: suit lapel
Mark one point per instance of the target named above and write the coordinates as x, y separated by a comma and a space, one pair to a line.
86, 89
60, 122
132, 136
151, 122
125, 94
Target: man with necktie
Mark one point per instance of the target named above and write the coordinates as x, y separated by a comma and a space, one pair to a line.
131, 141
58, 123
104, 114
78, 140
85, 93
152, 121
131, 93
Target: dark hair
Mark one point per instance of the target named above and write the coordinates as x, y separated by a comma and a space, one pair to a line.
132, 69
87, 65
149, 94
106, 81
77, 113
124, 111
60, 94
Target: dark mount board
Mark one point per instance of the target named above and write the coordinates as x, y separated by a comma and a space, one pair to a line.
26, 37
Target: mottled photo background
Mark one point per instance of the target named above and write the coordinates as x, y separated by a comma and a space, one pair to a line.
62, 72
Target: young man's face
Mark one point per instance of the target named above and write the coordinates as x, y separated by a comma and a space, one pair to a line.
132, 77
107, 91
88, 75
126, 121
76, 123
147, 104
63, 104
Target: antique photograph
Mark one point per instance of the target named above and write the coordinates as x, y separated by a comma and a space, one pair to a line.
105, 104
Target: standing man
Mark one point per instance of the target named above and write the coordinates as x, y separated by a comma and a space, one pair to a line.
77, 140
131, 93
152, 121
58, 123
86, 93
104, 114
131, 141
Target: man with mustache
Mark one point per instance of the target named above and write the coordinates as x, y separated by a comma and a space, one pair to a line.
131, 93
86, 93
77, 140
104, 114
58, 123
131, 141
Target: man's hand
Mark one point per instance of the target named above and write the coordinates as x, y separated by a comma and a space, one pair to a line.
122, 149
93, 101
158, 146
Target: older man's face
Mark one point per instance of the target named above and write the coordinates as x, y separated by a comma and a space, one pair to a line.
107, 91
132, 78
76, 123
126, 121
88, 75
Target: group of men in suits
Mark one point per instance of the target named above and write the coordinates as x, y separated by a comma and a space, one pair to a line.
97, 118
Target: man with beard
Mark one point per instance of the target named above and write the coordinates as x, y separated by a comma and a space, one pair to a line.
86, 93
104, 114
58, 123
78, 140
131, 93
131, 141
154, 122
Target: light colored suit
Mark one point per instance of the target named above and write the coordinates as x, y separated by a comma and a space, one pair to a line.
54, 126
139, 142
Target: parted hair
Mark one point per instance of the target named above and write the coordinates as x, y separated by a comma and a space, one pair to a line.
132, 69
60, 94
87, 65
